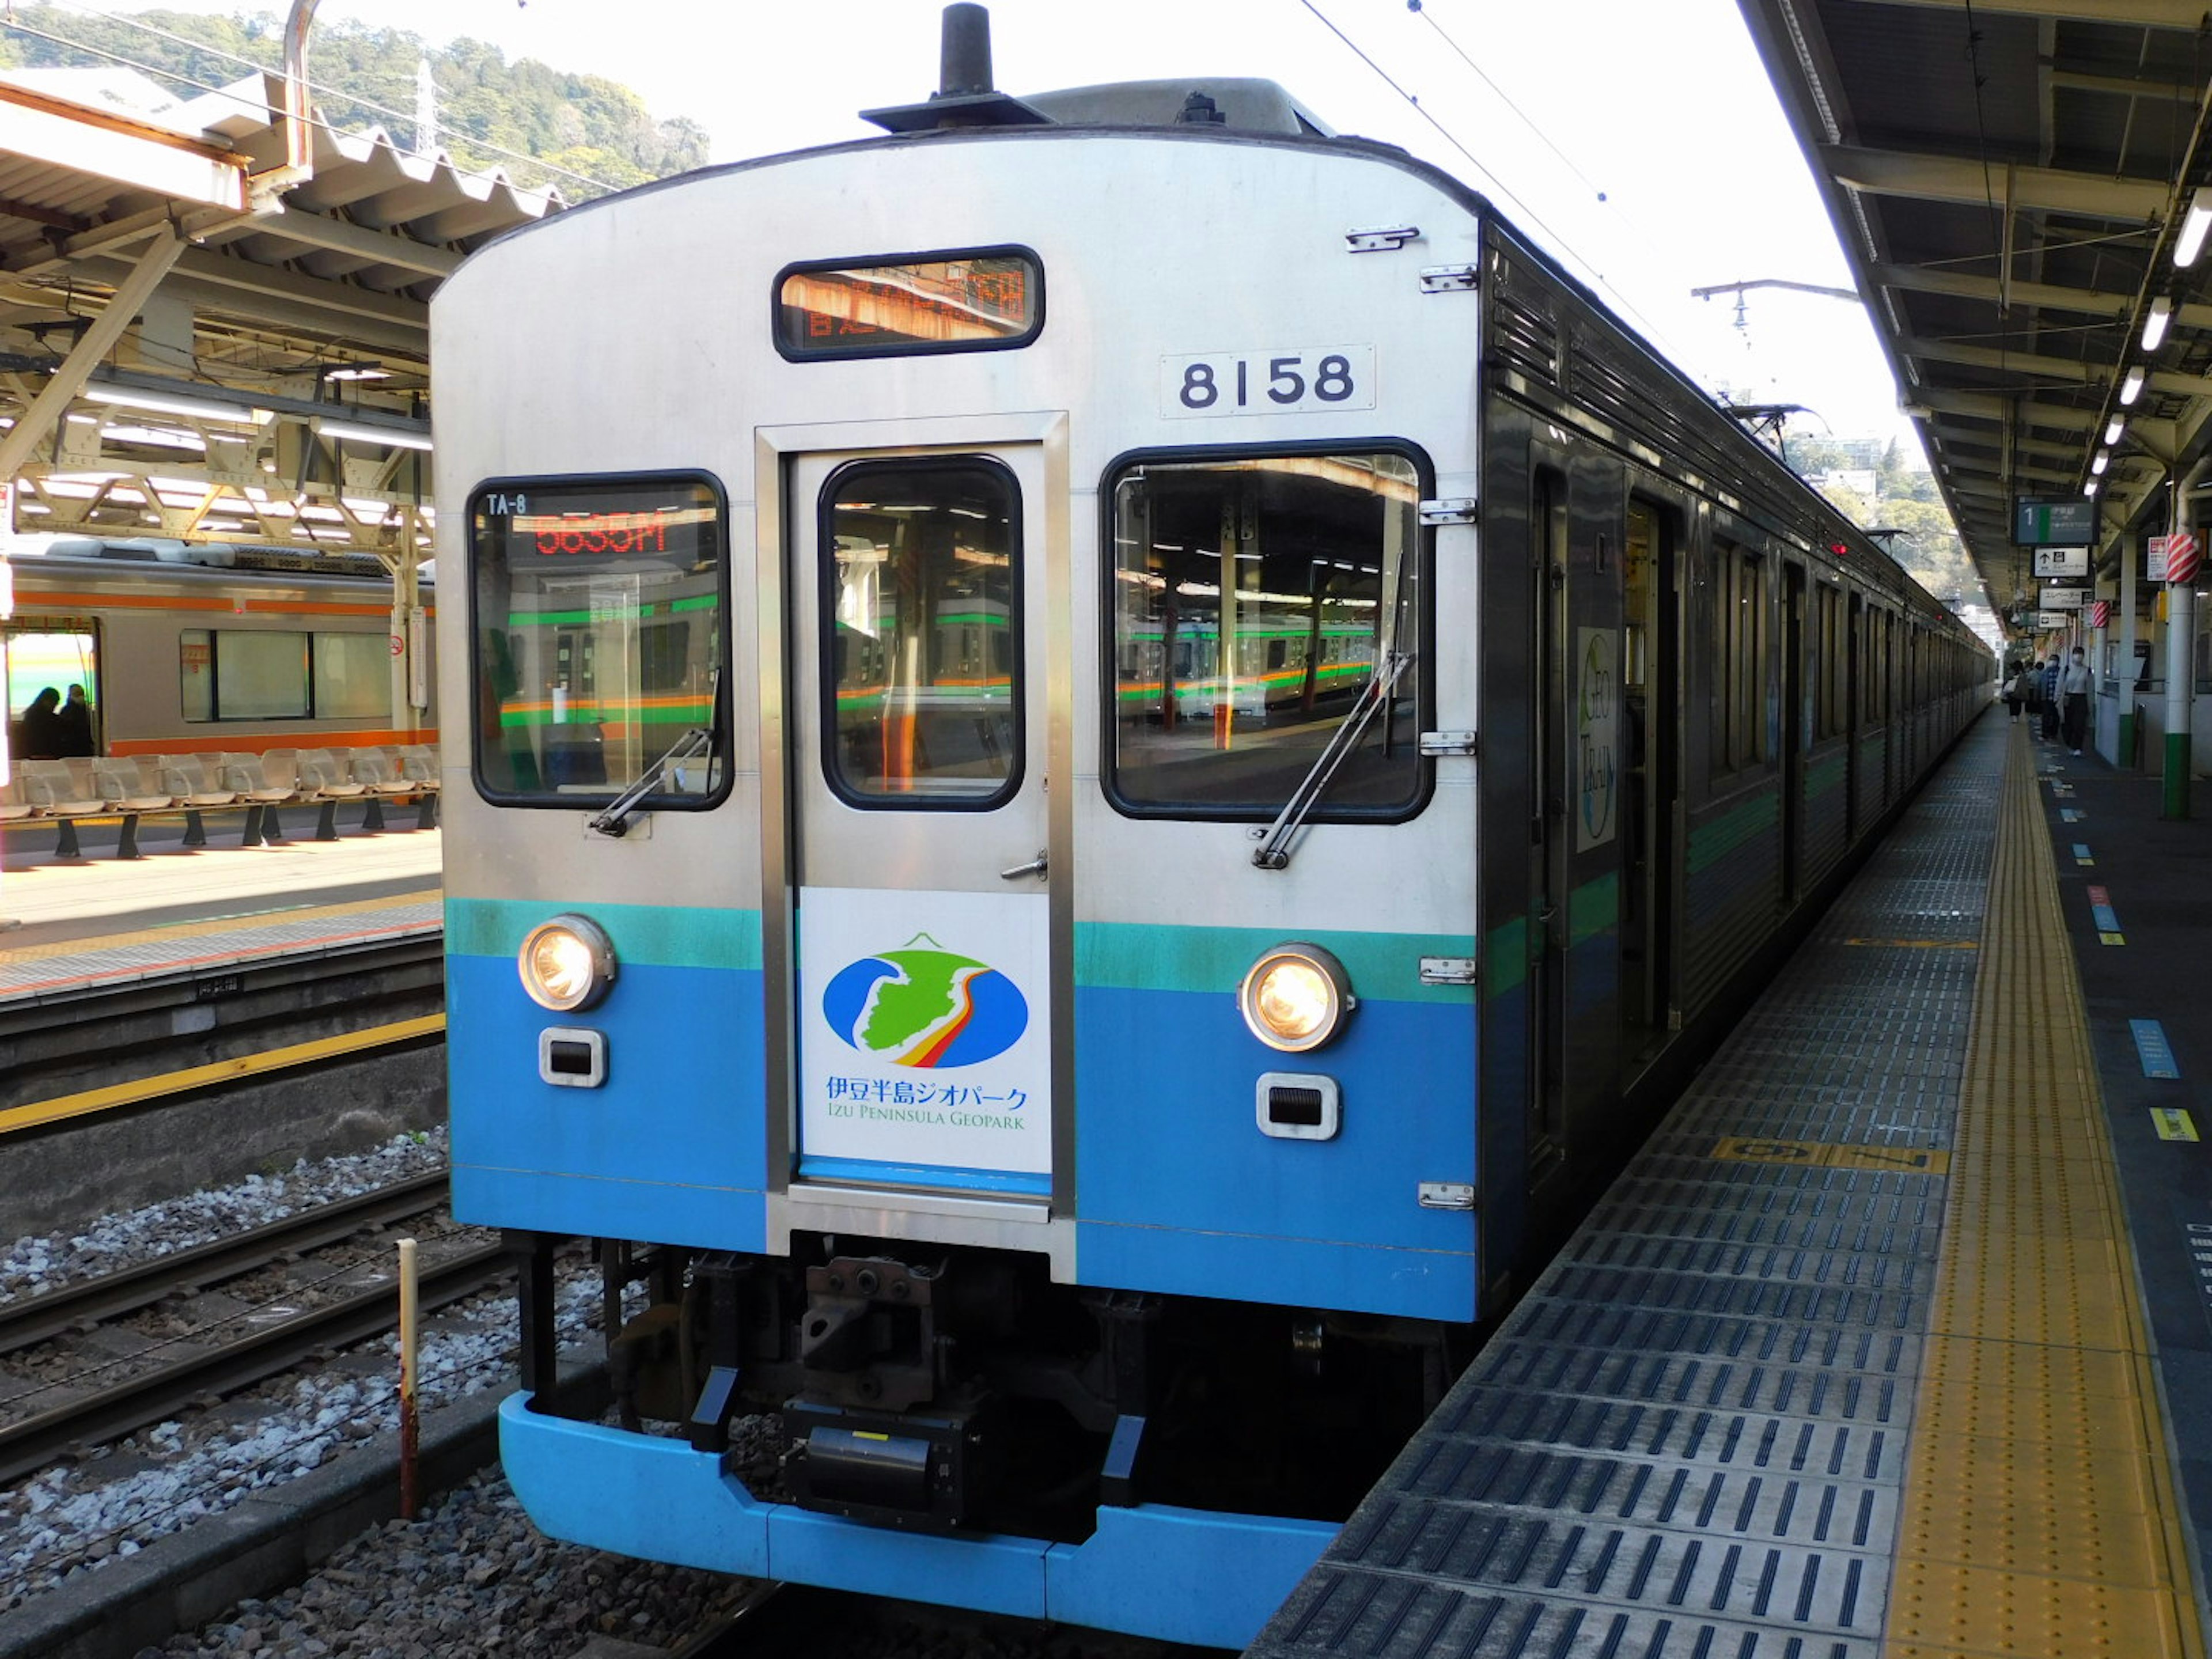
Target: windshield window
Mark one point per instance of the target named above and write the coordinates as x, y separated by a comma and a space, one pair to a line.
1252, 598
598, 627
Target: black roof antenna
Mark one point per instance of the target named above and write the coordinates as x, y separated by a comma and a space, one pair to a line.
963, 97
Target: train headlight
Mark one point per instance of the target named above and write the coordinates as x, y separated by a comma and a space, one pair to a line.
1296, 998
566, 964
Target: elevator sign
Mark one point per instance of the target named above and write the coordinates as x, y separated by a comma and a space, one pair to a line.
2066, 521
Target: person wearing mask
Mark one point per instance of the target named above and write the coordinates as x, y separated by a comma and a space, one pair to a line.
2074, 686
2052, 666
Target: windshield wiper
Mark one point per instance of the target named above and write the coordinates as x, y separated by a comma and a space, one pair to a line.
1274, 851
699, 739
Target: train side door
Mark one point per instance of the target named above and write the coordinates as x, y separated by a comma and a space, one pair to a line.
1794, 735
1652, 717
923, 1020
1549, 838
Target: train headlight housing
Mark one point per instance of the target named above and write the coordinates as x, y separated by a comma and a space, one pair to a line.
566, 964
1296, 998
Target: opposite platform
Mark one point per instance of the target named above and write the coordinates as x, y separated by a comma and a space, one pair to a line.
86, 925
1848, 1362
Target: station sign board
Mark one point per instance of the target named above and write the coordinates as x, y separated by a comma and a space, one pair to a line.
2065, 599
2069, 520
2046, 620
2062, 561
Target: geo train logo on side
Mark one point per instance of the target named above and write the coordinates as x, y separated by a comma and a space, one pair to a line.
925, 1008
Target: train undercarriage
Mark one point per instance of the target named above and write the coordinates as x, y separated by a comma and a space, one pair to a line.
958, 1390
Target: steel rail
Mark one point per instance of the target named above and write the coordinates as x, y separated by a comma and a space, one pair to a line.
37, 1443
87, 1302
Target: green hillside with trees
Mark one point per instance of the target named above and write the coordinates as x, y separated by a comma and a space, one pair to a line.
591, 134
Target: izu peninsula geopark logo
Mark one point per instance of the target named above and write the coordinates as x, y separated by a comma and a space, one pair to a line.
926, 1006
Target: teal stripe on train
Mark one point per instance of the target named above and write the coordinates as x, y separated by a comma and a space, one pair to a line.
647, 935
1144, 956
1711, 842
1826, 775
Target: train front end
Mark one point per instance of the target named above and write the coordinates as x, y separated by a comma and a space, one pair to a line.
961, 876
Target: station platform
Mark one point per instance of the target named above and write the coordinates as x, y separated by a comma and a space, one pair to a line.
76, 927
1893, 1340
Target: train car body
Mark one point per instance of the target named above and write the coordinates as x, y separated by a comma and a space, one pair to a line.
183, 658
1083, 1082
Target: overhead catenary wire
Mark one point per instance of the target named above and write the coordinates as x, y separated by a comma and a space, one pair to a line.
1566, 247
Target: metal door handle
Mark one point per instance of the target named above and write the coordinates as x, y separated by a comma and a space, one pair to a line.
1035, 866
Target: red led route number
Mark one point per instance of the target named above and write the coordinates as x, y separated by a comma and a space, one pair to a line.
597, 532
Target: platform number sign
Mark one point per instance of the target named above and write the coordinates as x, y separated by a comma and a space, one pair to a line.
1288, 380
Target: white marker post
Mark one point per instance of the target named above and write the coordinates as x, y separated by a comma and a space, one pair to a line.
408, 1426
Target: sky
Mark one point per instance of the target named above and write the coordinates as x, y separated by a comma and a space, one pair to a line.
1639, 140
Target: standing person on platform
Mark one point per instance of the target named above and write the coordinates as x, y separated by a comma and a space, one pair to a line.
2053, 665
2075, 685
2015, 689
75, 718
2032, 693
41, 727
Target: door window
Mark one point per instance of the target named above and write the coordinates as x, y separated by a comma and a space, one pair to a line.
920, 607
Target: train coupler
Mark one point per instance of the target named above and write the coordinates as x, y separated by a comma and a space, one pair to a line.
915, 1473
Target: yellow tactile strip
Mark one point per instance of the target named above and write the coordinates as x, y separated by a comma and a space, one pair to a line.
2039, 1517
220, 942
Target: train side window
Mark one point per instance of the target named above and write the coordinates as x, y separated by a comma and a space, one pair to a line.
921, 599
1739, 642
598, 625
1253, 598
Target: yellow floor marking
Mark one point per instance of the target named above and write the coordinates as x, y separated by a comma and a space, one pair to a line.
2174, 1123
1813, 1154
2039, 1515
2111, 938
226, 1071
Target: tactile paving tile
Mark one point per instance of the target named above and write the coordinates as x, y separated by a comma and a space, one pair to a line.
211, 945
1690, 1438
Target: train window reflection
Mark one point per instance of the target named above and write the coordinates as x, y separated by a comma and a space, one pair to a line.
920, 584
1252, 598
598, 627
982, 300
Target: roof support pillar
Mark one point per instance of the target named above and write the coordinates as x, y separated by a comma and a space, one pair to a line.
37, 422
2180, 660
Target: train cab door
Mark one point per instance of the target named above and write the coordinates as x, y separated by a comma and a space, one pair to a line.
922, 931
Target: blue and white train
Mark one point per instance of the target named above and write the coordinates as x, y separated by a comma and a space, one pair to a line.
1073, 857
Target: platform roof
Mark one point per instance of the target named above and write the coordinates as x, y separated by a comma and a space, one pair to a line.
2008, 179
300, 292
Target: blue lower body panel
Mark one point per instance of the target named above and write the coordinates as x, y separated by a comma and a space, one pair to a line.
1175, 1575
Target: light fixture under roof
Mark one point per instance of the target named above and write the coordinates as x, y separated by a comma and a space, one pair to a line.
2099, 461
2131, 388
390, 437
164, 403
2194, 225
2154, 325
2113, 429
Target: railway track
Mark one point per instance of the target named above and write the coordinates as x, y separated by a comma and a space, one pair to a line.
199, 1375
